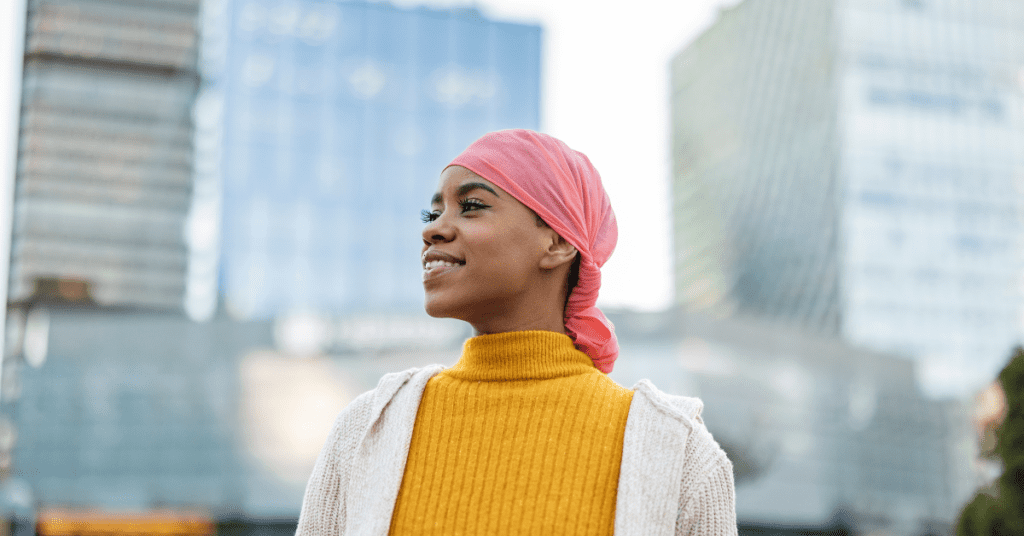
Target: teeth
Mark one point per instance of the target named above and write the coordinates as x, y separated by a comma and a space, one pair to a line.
430, 265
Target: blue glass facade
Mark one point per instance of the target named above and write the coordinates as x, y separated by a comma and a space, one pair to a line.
339, 118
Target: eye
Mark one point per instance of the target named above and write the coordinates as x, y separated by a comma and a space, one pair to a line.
472, 204
429, 215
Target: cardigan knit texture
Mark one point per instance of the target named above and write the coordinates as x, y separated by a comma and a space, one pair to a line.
401, 458
522, 436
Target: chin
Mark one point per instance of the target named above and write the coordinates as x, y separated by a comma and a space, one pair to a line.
457, 307
434, 312
438, 309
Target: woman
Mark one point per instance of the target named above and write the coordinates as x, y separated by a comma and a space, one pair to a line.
525, 434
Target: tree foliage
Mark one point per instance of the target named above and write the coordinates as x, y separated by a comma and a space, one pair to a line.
999, 509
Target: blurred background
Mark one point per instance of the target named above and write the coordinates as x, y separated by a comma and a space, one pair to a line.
211, 214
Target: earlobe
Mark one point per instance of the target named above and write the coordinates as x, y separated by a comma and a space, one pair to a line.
559, 252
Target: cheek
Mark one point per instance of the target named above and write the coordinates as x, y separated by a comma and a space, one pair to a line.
484, 240
502, 251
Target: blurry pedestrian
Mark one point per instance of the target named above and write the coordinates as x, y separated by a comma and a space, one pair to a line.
526, 434
999, 509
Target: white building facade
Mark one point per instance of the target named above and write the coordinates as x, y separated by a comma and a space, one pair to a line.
857, 167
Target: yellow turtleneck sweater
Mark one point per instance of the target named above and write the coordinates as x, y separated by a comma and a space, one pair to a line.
522, 436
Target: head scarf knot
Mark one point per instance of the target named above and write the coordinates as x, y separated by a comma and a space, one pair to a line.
564, 189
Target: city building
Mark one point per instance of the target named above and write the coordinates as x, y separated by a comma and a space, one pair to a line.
338, 118
135, 412
854, 167
104, 173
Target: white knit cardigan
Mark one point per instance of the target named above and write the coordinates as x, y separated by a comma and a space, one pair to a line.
674, 477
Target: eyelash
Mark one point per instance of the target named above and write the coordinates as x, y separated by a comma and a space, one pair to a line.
465, 204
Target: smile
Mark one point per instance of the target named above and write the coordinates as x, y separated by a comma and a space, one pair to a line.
435, 269
437, 264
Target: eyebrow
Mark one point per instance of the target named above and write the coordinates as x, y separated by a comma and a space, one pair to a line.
463, 190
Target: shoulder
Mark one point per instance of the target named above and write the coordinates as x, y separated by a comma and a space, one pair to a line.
674, 474
367, 407
392, 382
702, 453
684, 409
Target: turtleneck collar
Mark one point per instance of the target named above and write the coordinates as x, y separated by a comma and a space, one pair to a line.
520, 355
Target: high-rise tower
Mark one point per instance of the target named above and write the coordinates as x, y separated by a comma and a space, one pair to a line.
104, 174
854, 166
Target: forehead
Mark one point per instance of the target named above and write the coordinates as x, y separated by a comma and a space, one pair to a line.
454, 176
457, 181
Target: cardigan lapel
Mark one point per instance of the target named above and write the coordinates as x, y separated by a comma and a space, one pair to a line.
650, 477
379, 462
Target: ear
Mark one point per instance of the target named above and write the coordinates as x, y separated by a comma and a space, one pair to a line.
557, 253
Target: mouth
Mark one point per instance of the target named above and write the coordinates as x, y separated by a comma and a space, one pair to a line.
438, 263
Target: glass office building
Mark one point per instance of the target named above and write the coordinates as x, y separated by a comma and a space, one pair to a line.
135, 413
854, 167
338, 119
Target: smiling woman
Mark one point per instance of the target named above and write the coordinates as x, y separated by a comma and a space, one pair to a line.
525, 433
488, 262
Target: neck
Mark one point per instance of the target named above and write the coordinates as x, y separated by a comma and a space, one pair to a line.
536, 311
505, 325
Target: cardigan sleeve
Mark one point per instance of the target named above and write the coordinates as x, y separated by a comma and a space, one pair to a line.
323, 507
707, 504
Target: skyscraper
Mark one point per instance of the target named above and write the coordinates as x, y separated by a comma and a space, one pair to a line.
854, 167
104, 174
338, 118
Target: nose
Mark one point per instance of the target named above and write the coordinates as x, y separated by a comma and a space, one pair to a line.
439, 230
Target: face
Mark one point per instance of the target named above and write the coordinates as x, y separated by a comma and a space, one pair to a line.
482, 249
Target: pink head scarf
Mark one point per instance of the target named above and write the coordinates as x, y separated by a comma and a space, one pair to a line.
564, 189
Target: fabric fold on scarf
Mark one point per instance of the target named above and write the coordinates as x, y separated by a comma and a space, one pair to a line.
565, 190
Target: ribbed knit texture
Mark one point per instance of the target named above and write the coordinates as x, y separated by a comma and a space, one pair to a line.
522, 436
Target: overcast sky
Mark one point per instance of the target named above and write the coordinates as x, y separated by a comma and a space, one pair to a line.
605, 92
